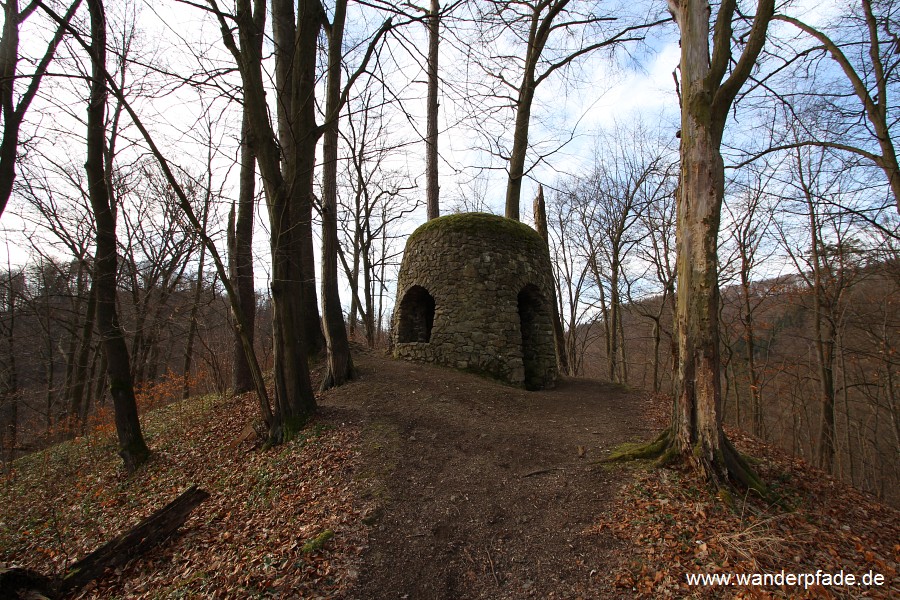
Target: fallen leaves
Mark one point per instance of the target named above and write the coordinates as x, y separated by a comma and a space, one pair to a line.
670, 525
246, 540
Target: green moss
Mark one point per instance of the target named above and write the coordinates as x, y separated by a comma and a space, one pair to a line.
317, 542
639, 451
480, 224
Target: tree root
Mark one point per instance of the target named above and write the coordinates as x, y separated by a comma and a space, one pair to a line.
731, 472
655, 449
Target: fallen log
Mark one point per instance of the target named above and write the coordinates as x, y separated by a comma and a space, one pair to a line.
17, 583
153, 530
135, 542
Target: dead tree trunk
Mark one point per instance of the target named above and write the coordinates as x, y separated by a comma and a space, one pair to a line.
155, 529
559, 338
137, 541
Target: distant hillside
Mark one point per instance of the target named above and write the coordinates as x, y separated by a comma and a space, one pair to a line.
866, 366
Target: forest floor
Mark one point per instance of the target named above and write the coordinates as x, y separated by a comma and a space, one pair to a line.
422, 482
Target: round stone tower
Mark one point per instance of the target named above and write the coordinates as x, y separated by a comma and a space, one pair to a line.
474, 293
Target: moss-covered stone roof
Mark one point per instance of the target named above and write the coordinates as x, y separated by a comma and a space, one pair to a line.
482, 225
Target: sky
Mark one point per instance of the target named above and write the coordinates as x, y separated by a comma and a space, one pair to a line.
638, 86
173, 34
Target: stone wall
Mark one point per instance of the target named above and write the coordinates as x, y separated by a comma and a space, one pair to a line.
474, 293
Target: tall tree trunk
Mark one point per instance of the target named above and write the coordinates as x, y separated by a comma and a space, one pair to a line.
192, 326
519, 149
750, 346
132, 447
613, 321
656, 343
825, 333
538, 33
431, 135
76, 393
369, 295
696, 433
698, 425
340, 363
9, 399
559, 338
295, 36
623, 362
290, 208
241, 261
310, 18
293, 392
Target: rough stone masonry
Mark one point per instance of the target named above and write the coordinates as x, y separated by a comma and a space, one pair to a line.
473, 294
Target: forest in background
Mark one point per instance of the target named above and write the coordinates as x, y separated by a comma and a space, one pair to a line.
807, 248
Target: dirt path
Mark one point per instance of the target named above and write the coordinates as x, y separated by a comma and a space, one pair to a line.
481, 490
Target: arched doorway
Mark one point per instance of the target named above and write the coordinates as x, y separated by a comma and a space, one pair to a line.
416, 316
531, 306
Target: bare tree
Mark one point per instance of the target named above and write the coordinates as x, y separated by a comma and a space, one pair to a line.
559, 338
751, 221
14, 112
657, 251
863, 43
240, 259
288, 191
552, 35
340, 364
696, 435
132, 447
375, 202
431, 137
827, 269
570, 234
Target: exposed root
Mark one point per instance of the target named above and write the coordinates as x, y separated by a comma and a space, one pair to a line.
655, 449
726, 473
285, 431
335, 376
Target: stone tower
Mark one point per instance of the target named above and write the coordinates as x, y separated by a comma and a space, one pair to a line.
474, 293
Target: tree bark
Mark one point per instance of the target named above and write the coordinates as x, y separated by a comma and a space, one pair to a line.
696, 434
340, 363
132, 447
559, 339
539, 32
289, 198
295, 35
241, 261
431, 134
310, 18
519, 150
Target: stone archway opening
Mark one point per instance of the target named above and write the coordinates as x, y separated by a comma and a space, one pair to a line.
416, 316
531, 305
